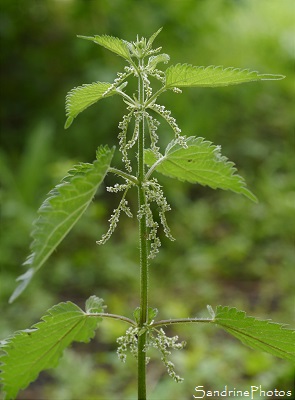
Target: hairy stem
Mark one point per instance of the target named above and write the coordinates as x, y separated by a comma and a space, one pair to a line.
143, 255
124, 175
113, 316
153, 167
166, 322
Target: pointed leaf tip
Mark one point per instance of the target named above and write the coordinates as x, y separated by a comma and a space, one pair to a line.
69, 122
25, 279
153, 37
200, 162
62, 209
186, 75
211, 311
111, 43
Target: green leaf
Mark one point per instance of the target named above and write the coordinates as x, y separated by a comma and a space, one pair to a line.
64, 206
81, 97
94, 305
136, 315
153, 37
263, 335
155, 60
111, 43
185, 75
200, 162
33, 350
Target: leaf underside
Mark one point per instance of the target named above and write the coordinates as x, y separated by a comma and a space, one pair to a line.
186, 75
111, 43
33, 350
201, 162
64, 206
81, 97
262, 335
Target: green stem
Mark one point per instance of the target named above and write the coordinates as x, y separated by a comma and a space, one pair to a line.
143, 256
152, 99
124, 175
166, 322
113, 316
153, 167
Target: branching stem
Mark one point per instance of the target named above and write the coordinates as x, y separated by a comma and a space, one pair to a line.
154, 97
124, 175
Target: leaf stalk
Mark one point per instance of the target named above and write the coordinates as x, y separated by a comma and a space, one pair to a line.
124, 175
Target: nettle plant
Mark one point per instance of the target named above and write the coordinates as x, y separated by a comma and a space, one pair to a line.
194, 159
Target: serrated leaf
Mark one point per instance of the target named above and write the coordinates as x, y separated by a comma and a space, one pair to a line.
155, 60
153, 37
94, 305
201, 162
263, 335
64, 206
81, 97
111, 43
186, 75
31, 351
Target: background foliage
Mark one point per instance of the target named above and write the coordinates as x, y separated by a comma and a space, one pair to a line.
228, 250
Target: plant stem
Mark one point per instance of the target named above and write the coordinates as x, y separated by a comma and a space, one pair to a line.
113, 316
166, 322
123, 175
143, 254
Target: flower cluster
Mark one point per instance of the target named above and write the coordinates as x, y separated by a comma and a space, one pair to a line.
128, 342
124, 144
146, 82
158, 74
153, 124
129, 127
157, 339
166, 114
123, 206
154, 194
163, 343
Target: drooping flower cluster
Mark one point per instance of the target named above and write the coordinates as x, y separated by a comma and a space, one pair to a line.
163, 343
139, 114
123, 206
166, 114
154, 194
124, 144
156, 338
128, 342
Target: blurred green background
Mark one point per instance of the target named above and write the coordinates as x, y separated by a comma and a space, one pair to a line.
228, 251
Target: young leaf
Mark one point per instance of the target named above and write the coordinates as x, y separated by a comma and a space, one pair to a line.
111, 43
94, 305
31, 351
263, 335
153, 37
84, 96
185, 75
200, 162
64, 206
